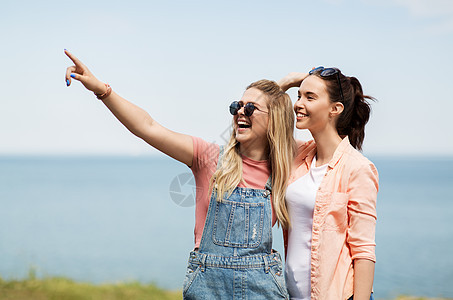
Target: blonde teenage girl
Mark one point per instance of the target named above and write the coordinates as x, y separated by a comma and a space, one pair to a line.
240, 188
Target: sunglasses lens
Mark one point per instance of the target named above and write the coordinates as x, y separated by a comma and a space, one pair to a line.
249, 108
315, 70
329, 72
234, 107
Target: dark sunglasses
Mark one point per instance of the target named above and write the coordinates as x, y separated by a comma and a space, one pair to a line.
326, 72
249, 108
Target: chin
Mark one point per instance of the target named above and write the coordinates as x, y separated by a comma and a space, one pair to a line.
241, 138
300, 126
246, 138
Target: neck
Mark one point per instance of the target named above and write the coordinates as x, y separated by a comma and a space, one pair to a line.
327, 142
254, 152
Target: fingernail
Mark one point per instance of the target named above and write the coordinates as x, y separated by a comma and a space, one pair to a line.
67, 82
73, 75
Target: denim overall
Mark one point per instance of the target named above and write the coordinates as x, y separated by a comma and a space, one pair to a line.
235, 259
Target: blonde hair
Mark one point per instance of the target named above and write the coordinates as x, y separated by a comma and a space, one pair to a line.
280, 137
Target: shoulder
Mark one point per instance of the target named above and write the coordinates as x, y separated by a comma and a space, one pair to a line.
204, 153
303, 144
303, 147
202, 145
358, 164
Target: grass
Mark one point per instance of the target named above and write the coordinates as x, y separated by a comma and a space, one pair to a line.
56, 288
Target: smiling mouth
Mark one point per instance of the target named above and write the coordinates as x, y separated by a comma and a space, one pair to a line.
243, 125
301, 115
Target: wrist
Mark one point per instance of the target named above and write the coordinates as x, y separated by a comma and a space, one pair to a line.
100, 88
284, 84
106, 91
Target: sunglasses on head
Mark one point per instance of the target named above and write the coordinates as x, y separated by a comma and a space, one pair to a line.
249, 108
326, 72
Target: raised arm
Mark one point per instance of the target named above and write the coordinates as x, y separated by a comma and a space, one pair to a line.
139, 122
293, 79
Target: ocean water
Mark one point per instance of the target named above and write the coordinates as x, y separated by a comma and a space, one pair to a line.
112, 219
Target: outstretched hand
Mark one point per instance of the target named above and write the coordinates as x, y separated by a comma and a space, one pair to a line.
81, 73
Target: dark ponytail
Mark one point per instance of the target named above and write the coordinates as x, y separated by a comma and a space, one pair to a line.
356, 113
360, 114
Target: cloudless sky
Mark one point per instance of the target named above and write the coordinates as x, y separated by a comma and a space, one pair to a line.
185, 61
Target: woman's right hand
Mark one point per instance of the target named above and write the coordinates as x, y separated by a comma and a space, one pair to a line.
293, 79
81, 73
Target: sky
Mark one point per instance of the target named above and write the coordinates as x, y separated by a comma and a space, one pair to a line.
184, 62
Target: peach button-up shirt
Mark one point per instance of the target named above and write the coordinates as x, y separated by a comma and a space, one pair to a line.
344, 218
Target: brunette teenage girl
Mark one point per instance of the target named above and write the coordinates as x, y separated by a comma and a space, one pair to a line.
331, 198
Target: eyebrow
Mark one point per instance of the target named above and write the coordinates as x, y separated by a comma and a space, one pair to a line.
308, 93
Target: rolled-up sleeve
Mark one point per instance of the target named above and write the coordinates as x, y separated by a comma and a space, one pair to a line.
362, 189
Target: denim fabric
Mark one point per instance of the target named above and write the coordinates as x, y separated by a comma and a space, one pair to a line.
371, 297
247, 277
235, 259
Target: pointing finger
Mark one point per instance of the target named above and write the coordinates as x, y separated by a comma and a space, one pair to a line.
74, 59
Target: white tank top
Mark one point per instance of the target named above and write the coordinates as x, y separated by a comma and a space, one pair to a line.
300, 200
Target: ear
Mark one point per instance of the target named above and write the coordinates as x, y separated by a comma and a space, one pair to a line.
336, 109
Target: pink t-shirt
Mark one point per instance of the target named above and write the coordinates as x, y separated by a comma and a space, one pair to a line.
205, 157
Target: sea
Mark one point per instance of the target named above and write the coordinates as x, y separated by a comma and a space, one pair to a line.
110, 219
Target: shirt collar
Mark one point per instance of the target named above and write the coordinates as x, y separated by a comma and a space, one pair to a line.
309, 152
